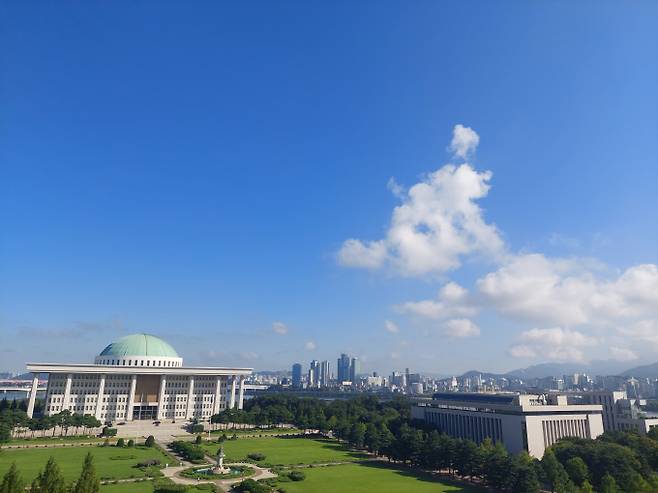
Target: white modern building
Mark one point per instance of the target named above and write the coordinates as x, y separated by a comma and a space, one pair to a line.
139, 377
620, 413
520, 422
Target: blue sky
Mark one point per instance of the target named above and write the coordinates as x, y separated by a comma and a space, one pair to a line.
196, 171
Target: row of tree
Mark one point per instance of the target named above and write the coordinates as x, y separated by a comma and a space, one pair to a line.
621, 462
16, 423
51, 480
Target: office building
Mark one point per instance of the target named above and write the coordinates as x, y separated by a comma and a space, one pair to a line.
620, 413
355, 369
139, 377
314, 374
520, 422
343, 368
325, 374
297, 375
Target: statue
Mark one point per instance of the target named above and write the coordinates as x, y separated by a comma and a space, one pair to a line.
219, 467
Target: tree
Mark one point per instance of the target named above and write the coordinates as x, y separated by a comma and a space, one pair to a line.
50, 480
121, 443
608, 484
131, 443
87, 483
358, 434
557, 477
12, 481
523, 476
586, 487
150, 441
577, 470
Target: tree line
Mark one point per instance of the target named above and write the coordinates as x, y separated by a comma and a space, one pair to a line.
14, 422
614, 462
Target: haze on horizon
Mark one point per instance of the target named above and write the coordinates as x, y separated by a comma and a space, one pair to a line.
445, 187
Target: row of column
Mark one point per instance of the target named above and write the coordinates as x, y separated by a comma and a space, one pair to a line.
131, 396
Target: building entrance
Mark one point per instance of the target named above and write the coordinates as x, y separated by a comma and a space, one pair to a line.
145, 412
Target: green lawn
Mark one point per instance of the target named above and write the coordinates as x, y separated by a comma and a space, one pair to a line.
141, 487
138, 487
38, 440
285, 451
110, 462
368, 477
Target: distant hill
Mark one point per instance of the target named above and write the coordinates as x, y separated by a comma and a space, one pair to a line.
644, 371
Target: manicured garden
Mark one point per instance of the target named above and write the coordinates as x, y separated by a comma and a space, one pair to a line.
366, 477
285, 451
110, 462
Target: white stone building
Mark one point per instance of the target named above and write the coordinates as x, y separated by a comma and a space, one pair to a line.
520, 422
139, 377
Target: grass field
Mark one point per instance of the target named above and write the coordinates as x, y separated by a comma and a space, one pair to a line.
138, 487
110, 462
368, 477
141, 487
285, 451
72, 440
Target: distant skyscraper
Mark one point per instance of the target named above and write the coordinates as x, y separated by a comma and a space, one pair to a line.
355, 369
314, 374
343, 368
324, 374
297, 375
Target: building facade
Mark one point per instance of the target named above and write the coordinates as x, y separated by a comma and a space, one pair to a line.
621, 413
520, 422
139, 377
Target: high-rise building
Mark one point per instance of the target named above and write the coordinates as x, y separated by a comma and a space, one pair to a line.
297, 375
324, 374
343, 368
355, 369
314, 374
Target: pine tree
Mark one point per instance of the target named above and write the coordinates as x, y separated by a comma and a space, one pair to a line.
12, 481
87, 483
50, 480
586, 487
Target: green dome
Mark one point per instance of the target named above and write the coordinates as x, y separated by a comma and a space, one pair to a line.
140, 345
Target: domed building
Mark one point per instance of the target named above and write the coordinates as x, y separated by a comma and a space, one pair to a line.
139, 377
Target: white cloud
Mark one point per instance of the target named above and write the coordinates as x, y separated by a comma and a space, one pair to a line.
643, 331
436, 226
464, 141
391, 327
369, 255
310, 346
568, 292
395, 188
622, 354
461, 327
522, 351
452, 301
554, 344
280, 328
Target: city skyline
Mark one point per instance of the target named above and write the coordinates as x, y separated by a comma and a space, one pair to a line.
406, 196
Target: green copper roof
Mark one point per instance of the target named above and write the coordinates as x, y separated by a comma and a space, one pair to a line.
140, 345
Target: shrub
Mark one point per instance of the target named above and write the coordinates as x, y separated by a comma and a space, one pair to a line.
121, 443
148, 463
188, 450
150, 441
198, 440
251, 486
196, 428
297, 475
257, 456
131, 443
109, 432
